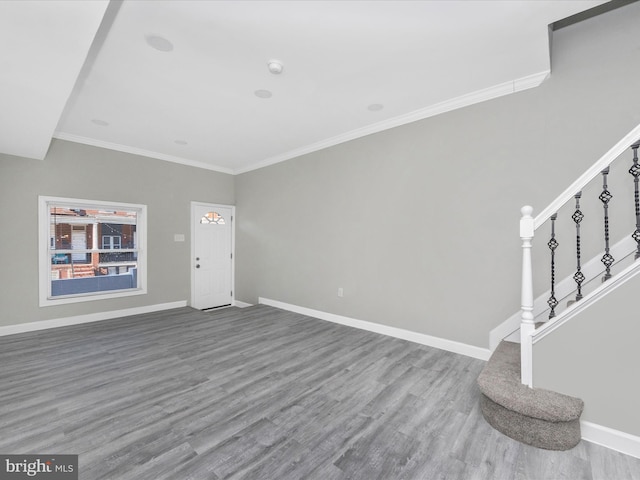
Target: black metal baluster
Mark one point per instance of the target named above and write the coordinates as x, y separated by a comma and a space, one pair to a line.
577, 218
605, 197
635, 171
553, 244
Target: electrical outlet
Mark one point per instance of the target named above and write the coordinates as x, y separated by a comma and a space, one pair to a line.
340, 292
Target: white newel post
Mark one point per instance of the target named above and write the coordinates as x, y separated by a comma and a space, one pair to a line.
527, 325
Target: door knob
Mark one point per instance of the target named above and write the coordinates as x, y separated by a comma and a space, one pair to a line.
198, 266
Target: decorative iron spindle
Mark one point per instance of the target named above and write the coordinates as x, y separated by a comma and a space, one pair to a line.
577, 218
553, 244
605, 197
635, 171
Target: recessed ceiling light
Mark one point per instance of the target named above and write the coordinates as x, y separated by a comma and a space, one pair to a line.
275, 67
159, 43
102, 123
263, 94
375, 107
180, 142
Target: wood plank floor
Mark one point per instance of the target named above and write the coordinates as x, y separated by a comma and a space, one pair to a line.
261, 393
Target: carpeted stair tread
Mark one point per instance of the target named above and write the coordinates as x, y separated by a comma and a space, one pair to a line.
500, 382
534, 416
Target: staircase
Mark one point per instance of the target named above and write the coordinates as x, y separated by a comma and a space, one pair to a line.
509, 401
537, 417
77, 270
83, 271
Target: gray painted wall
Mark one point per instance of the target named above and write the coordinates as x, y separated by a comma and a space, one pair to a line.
595, 357
80, 171
419, 224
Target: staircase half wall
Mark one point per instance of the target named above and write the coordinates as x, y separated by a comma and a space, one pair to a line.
595, 356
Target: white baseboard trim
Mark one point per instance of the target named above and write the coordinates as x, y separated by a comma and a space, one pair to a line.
504, 330
421, 338
608, 437
88, 318
239, 304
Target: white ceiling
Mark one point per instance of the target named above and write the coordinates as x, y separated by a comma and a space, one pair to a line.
70, 67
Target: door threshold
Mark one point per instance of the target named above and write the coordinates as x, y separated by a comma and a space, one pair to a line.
216, 308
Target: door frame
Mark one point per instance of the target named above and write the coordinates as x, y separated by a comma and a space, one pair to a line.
192, 262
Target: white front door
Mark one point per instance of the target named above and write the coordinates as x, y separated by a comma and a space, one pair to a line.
211, 251
79, 242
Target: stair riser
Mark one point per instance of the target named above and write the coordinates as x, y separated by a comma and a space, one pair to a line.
529, 430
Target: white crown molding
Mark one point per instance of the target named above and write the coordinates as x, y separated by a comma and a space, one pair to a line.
608, 437
478, 96
441, 343
139, 151
530, 81
472, 98
91, 317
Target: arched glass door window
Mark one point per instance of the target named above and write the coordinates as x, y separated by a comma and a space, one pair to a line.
212, 218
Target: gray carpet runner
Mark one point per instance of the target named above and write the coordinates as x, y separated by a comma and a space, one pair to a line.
534, 416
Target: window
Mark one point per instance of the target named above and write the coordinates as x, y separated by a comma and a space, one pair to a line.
212, 218
110, 242
90, 250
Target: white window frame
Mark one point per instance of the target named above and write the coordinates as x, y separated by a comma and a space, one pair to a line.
112, 244
45, 249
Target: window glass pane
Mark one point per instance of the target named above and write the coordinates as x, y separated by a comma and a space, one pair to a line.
213, 218
92, 249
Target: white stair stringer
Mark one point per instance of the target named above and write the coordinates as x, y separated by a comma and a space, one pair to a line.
588, 300
593, 270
